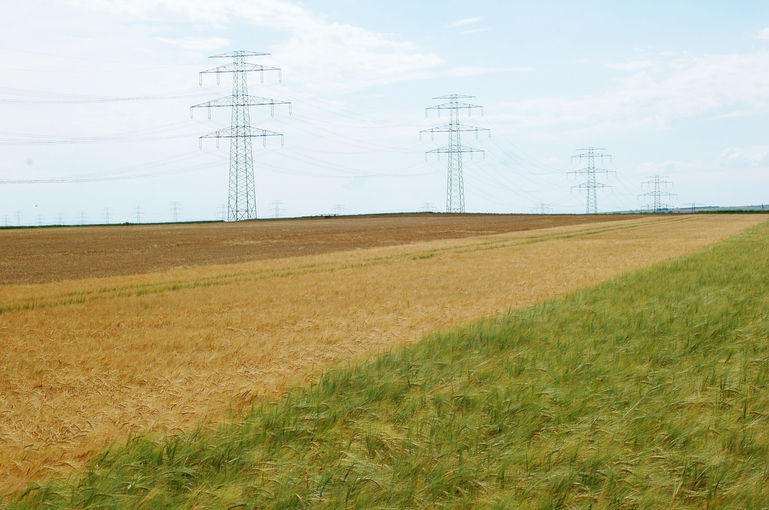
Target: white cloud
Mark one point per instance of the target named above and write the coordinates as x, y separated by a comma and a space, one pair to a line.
476, 30
464, 22
478, 70
655, 92
196, 44
745, 157
633, 65
763, 34
326, 54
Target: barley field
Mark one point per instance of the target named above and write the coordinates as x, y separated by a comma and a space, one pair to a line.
88, 362
646, 391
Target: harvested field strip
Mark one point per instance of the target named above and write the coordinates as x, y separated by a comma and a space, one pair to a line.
81, 296
75, 378
647, 391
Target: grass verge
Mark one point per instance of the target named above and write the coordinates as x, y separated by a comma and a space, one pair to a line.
649, 391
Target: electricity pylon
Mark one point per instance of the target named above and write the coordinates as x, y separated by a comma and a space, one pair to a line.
455, 187
656, 193
241, 204
590, 184
276, 204
175, 210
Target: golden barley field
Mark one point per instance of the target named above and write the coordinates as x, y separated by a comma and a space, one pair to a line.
89, 361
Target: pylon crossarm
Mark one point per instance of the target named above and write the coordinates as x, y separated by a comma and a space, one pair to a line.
454, 96
230, 101
249, 132
450, 150
446, 128
240, 53
588, 186
455, 106
239, 67
591, 170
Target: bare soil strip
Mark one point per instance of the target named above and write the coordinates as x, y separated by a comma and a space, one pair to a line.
88, 362
36, 255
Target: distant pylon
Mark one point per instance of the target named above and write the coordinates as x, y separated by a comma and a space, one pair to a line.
455, 186
175, 211
276, 204
590, 184
656, 182
241, 203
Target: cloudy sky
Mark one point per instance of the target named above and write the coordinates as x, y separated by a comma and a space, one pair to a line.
95, 95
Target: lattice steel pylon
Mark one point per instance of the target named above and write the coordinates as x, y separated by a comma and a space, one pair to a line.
590, 185
656, 194
455, 187
241, 204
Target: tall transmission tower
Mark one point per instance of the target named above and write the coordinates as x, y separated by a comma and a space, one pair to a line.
455, 186
656, 194
591, 185
241, 204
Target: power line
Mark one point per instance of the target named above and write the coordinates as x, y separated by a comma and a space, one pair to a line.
10, 96
590, 171
242, 191
157, 132
79, 180
455, 187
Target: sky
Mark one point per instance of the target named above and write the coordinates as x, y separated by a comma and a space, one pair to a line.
96, 125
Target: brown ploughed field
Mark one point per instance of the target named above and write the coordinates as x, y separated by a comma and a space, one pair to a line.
38, 255
85, 362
